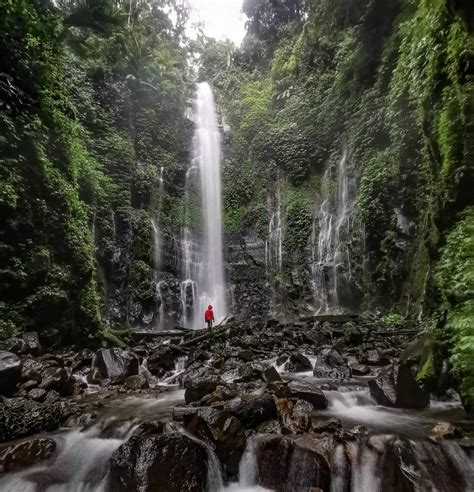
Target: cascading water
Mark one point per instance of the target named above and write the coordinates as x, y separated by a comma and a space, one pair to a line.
155, 225
274, 244
203, 270
331, 266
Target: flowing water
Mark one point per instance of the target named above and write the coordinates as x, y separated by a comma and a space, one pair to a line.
203, 271
330, 258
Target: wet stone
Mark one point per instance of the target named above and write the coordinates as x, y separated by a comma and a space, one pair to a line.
26, 453
169, 463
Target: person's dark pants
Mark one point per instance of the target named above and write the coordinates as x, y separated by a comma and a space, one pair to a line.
209, 323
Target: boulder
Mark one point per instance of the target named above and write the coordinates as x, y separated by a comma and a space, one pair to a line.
136, 382
397, 387
250, 371
303, 390
37, 394
375, 358
246, 355
196, 388
444, 430
32, 369
169, 463
352, 334
251, 410
59, 381
285, 464
29, 385
10, 372
299, 363
161, 361
154, 428
271, 375
359, 369
115, 364
21, 417
30, 344
26, 453
223, 432
331, 365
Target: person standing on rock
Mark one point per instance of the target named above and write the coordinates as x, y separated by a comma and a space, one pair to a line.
209, 316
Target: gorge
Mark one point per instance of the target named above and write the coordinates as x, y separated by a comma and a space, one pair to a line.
313, 184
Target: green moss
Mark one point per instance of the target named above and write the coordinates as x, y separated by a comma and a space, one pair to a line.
111, 339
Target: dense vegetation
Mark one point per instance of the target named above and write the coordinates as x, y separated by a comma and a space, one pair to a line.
93, 95
91, 105
392, 83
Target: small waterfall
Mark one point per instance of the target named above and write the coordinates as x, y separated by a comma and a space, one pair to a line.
203, 267
157, 239
274, 244
331, 266
161, 301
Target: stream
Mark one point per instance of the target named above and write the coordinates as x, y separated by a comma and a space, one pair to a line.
80, 462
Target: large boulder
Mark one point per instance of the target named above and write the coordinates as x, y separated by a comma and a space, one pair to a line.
331, 365
160, 361
286, 464
59, 380
298, 363
115, 364
251, 371
26, 453
251, 410
301, 390
397, 387
22, 417
167, 463
196, 388
223, 432
10, 372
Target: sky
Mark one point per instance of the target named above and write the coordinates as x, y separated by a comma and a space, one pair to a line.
222, 18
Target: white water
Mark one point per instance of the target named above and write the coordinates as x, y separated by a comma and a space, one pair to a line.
203, 266
331, 230
274, 244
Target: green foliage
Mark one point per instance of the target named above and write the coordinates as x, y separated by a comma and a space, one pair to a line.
392, 318
91, 105
298, 220
455, 280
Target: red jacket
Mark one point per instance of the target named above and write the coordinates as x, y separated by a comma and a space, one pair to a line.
209, 314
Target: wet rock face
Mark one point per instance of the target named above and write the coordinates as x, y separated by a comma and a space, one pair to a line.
223, 432
198, 388
26, 453
166, 463
397, 387
21, 417
115, 364
285, 465
10, 372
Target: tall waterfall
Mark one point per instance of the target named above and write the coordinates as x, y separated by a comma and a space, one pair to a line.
203, 270
332, 226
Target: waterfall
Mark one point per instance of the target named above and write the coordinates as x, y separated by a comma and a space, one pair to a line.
203, 270
332, 225
274, 244
154, 224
